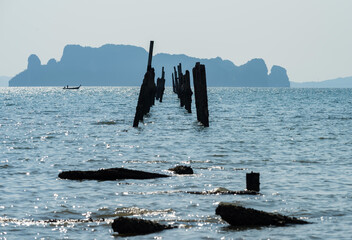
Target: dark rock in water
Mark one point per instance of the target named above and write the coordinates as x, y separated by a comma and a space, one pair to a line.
109, 174
240, 216
224, 191
135, 226
182, 170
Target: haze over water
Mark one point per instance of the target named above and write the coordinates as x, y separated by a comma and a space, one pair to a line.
298, 139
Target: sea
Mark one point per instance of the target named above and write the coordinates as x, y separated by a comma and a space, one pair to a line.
299, 140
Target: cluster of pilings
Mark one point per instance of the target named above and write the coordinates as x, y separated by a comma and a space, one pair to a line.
147, 91
160, 86
182, 87
181, 84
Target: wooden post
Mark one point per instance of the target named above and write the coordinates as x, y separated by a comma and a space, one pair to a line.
200, 93
180, 85
176, 81
157, 93
151, 46
146, 96
173, 83
252, 181
160, 86
187, 94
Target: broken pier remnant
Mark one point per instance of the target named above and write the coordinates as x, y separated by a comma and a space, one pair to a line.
147, 91
176, 81
252, 181
182, 87
200, 93
173, 83
180, 84
151, 46
160, 87
187, 92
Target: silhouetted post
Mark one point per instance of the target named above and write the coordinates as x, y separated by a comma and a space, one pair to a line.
180, 85
200, 93
252, 181
157, 93
173, 83
187, 92
160, 86
151, 82
176, 81
151, 89
147, 91
151, 46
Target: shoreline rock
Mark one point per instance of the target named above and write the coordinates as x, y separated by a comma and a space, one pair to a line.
136, 226
181, 170
224, 191
239, 216
109, 174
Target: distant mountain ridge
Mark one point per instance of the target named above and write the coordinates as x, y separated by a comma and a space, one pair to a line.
125, 65
345, 82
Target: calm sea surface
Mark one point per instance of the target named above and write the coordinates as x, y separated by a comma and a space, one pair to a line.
300, 140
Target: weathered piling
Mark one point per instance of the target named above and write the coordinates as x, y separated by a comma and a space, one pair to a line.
173, 83
147, 91
252, 181
176, 81
180, 84
162, 84
200, 93
160, 87
151, 46
187, 92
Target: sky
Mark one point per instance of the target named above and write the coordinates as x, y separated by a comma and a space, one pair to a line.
312, 39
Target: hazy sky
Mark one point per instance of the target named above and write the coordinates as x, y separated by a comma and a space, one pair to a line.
312, 39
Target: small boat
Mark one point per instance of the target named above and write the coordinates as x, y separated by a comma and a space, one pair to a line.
67, 87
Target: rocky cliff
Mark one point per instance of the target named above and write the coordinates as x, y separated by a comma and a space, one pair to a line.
123, 65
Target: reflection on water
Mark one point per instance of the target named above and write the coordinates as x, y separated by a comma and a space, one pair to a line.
298, 139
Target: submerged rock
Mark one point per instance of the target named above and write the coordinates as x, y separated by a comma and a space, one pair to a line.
220, 191
135, 226
182, 170
109, 174
240, 216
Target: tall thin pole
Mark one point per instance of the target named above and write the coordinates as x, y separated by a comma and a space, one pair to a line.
150, 55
